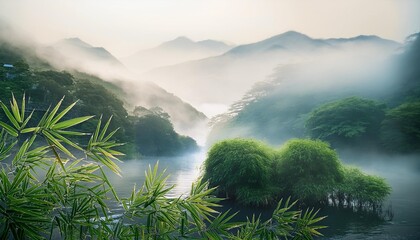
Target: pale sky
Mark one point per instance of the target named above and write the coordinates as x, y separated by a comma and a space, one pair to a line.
126, 26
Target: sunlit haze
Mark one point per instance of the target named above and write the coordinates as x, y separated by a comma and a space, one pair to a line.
126, 26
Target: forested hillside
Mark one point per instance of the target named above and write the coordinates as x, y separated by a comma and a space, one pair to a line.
334, 102
45, 86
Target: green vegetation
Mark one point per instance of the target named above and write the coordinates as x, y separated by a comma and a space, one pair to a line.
308, 169
358, 122
253, 174
284, 107
45, 87
347, 121
359, 190
155, 136
48, 193
241, 169
401, 128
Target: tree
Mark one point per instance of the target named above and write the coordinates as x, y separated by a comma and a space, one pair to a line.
70, 197
62, 78
347, 121
360, 190
308, 169
400, 130
155, 136
240, 168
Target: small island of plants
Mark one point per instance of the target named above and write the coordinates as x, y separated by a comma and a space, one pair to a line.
252, 173
46, 192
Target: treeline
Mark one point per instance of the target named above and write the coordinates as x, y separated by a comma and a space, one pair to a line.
48, 193
150, 134
363, 123
380, 113
252, 173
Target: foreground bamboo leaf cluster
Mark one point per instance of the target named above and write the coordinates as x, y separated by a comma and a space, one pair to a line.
53, 186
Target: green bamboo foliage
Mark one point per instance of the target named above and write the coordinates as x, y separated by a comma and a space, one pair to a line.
46, 192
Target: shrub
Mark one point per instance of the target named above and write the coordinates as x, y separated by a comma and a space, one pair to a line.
309, 169
400, 130
351, 120
361, 190
253, 174
46, 192
238, 167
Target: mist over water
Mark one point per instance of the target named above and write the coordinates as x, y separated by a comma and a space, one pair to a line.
193, 88
182, 172
402, 172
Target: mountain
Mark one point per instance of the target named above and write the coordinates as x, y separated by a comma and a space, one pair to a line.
186, 119
97, 64
71, 46
178, 50
74, 53
363, 39
46, 85
58, 57
225, 78
275, 110
290, 40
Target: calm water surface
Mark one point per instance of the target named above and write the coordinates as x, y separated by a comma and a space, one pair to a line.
402, 173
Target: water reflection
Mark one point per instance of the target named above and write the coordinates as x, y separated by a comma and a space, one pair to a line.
182, 171
402, 173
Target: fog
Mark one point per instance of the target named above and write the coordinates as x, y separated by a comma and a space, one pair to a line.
250, 77
275, 109
222, 80
125, 27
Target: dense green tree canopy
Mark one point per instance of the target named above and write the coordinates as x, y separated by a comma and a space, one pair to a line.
308, 169
240, 168
155, 136
150, 135
350, 120
360, 190
252, 173
401, 128
72, 198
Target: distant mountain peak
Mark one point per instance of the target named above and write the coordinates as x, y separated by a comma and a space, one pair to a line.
369, 39
178, 42
182, 39
293, 33
75, 41
290, 35
366, 37
290, 40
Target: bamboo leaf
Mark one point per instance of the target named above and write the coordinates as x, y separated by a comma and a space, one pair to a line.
98, 128
9, 115
65, 140
110, 135
9, 129
19, 155
56, 143
15, 109
27, 119
72, 133
31, 129
70, 123
48, 121
63, 113
104, 129
109, 184
22, 111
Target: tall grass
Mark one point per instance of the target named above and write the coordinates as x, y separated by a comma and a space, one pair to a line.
46, 192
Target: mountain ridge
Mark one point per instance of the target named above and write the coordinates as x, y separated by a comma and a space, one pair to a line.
69, 45
239, 68
178, 50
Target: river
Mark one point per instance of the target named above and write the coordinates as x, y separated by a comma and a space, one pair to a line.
403, 205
